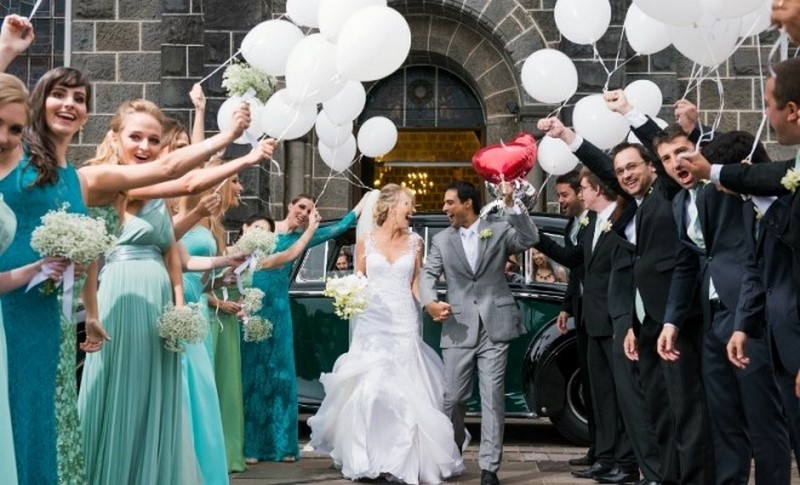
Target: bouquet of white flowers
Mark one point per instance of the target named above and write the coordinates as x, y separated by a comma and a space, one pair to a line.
179, 325
76, 237
257, 329
240, 77
252, 300
349, 294
257, 242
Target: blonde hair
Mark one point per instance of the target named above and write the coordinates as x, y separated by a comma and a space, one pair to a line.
106, 151
12, 90
387, 198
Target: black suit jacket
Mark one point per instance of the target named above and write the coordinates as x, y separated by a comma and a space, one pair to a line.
656, 233
768, 291
567, 256
723, 230
765, 179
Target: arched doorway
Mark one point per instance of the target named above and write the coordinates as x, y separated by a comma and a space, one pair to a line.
441, 124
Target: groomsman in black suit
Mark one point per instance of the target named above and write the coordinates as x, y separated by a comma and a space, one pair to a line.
568, 187
680, 419
744, 407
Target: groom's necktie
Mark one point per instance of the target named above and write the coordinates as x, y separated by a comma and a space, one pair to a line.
468, 239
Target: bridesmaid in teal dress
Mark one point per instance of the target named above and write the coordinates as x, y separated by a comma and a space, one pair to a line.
8, 226
268, 372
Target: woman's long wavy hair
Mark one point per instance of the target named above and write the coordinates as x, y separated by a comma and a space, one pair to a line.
38, 136
107, 150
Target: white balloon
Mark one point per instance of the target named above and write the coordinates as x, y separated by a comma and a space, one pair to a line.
549, 76
340, 157
632, 138
554, 156
347, 104
268, 44
674, 12
645, 34
582, 21
330, 133
727, 9
757, 21
311, 75
373, 43
646, 96
225, 113
598, 124
303, 12
709, 42
333, 14
377, 136
284, 119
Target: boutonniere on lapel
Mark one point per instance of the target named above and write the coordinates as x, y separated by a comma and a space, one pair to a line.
485, 234
606, 226
759, 214
704, 182
791, 180
583, 221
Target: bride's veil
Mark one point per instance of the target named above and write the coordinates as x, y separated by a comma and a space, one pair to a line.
366, 222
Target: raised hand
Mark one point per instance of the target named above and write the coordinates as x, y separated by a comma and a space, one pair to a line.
263, 151
686, 115
553, 127
198, 97
240, 121
698, 165
16, 34
314, 220
617, 102
210, 204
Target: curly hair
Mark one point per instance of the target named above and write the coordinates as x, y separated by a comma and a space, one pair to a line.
106, 151
387, 199
38, 136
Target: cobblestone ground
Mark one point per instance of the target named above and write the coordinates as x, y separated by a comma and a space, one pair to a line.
533, 454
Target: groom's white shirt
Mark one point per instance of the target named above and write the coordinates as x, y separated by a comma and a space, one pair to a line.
469, 239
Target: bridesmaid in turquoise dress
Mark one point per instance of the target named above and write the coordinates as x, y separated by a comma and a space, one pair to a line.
8, 226
268, 372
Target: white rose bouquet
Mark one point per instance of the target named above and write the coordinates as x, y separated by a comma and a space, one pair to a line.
349, 294
179, 325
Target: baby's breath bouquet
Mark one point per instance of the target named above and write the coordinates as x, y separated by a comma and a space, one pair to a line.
239, 77
252, 300
179, 325
257, 329
349, 294
257, 242
76, 237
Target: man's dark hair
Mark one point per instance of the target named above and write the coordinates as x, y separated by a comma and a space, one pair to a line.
646, 156
593, 180
787, 89
466, 191
668, 135
573, 178
733, 147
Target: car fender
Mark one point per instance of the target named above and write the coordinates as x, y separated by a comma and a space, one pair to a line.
549, 361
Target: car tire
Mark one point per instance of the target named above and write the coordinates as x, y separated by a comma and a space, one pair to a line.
571, 422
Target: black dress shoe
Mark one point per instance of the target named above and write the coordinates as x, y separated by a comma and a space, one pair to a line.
585, 460
595, 471
489, 478
619, 475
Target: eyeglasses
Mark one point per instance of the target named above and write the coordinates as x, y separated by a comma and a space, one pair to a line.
619, 172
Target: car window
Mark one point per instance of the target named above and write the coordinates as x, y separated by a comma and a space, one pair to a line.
314, 265
534, 267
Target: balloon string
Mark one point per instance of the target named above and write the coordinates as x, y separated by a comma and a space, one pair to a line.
230, 59
557, 111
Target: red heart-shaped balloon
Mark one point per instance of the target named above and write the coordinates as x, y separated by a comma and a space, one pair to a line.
505, 161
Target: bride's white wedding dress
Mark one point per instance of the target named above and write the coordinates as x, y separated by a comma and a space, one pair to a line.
382, 409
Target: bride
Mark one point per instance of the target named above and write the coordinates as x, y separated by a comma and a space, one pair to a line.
381, 415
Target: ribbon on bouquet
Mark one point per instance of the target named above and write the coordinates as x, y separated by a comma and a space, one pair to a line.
67, 280
247, 97
250, 263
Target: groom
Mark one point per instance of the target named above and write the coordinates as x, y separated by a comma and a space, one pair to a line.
480, 317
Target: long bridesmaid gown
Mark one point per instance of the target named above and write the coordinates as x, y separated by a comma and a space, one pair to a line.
32, 323
268, 373
201, 391
132, 402
8, 226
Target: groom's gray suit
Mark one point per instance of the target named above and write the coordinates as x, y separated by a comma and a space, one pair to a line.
484, 319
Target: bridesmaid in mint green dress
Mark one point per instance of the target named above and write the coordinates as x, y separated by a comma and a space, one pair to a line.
202, 401
268, 371
132, 403
8, 226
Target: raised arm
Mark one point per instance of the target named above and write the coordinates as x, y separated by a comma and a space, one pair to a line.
570, 257
296, 249
16, 36
105, 181
201, 179
184, 222
198, 98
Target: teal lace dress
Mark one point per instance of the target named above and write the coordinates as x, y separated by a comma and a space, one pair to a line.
8, 226
32, 322
198, 373
268, 373
132, 403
